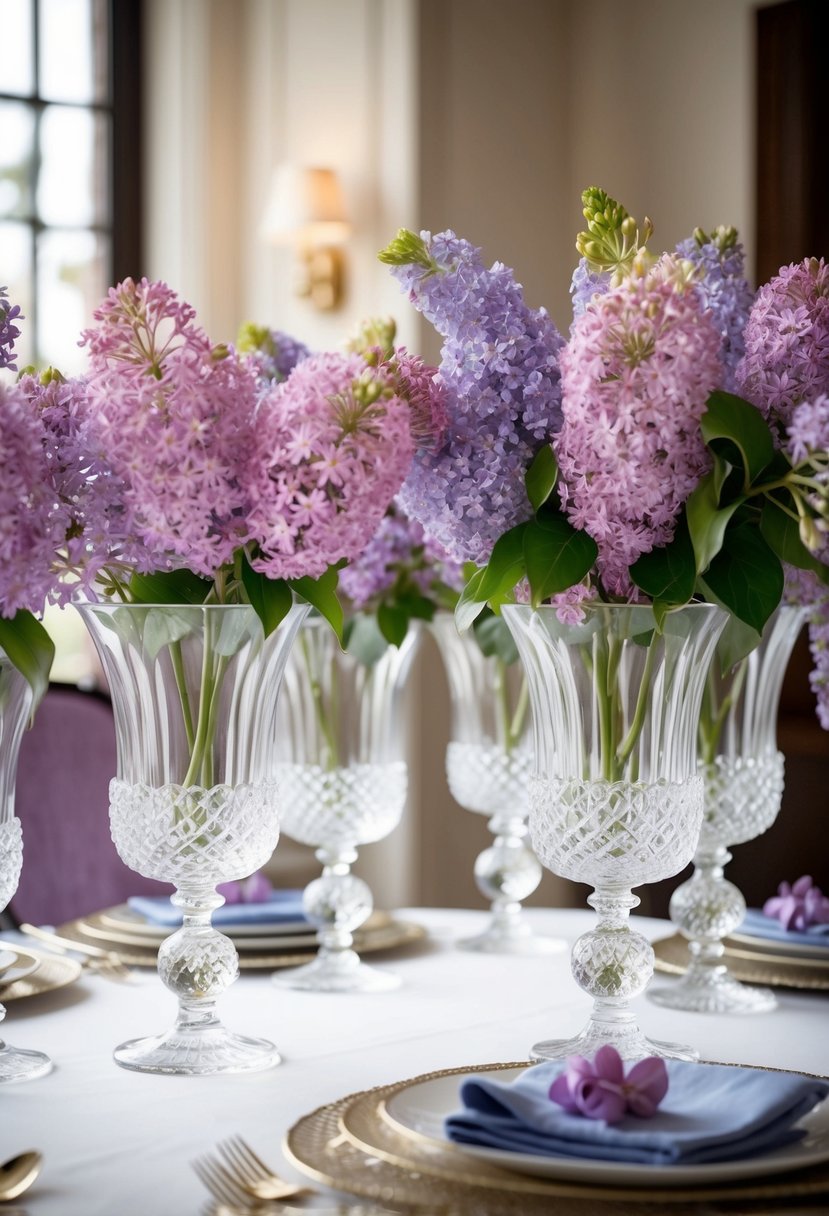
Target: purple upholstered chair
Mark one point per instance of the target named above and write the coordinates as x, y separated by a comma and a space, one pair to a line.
70, 866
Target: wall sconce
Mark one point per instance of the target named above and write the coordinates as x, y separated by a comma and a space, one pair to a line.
305, 209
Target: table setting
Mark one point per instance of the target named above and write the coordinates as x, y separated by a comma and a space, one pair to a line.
615, 538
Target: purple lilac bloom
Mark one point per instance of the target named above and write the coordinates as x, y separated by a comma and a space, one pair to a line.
798, 905
636, 375
399, 549
175, 417
9, 333
331, 449
91, 495
499, 370
32, 522
787, 341
585, 284
720, 261
273, 353
599, 1089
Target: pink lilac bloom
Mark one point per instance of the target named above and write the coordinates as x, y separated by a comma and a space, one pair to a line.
332, 446
9, 333
636, 375
175, 416
787, 341
399, 549
599, 1089
421, 387
32, 522
799, 905
720, 264
499, 371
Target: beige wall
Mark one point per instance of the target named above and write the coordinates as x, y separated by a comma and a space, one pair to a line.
473, 114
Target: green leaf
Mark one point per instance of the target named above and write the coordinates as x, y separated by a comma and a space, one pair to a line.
541, 476
494, 638
668, 575
737, 638
746, 576
707, 520
362, 639
783, 534
271, 598
556, 555
169, 587
321, 593
470, 603
165, 624
30, 649
737, 430
393, 623
505, 566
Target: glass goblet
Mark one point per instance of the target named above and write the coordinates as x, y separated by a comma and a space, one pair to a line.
616, 800
343, 781
489, 762
16, 1063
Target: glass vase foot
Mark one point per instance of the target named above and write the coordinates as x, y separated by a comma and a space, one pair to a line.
506, 934
627, 1038
197, 1051
340, 971
707, 990
19, 1064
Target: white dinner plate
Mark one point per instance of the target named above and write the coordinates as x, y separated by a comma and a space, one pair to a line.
421, 1108
123, 917
787, 949
17, 963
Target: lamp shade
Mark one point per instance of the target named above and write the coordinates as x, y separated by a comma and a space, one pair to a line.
305, 205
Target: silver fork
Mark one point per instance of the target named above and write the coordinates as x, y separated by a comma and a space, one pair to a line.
102, 962
253, 1175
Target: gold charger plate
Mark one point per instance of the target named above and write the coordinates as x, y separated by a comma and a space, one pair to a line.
349, 1145
380, 932
53, 971
671, 957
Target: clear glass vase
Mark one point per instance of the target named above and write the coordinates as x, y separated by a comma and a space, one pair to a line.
615, 800
743, 774
16, 1063
489, 761
343, 777
194, 802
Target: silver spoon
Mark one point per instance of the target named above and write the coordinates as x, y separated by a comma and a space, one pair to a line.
18, 1173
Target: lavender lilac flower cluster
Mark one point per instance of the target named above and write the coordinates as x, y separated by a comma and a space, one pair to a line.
719, 261
9, 333
499, 371
399, 552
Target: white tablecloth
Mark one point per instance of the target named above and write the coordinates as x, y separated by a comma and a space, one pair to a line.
118, 1143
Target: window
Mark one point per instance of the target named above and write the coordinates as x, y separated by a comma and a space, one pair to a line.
69, 165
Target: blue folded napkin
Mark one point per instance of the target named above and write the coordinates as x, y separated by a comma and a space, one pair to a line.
711, 1112
282, 907
759, 925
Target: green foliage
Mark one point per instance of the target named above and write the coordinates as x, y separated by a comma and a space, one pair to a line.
362, 638
556, 555
321, 593
494, 638
28, 648
668, 575
271, 598
408, 249
541, 476
737, 432
746, 576
169, 587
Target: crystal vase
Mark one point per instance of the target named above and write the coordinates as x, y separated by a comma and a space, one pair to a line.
194, 800
743, 774
16, 1063
489, 762
615, 799
343, 777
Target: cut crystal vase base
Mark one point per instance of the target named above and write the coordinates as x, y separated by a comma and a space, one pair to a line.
337, 972
520, 940
707, 990
19, 1064
628, 1040
197, 1052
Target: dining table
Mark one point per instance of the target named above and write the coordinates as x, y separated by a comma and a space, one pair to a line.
122, 1143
